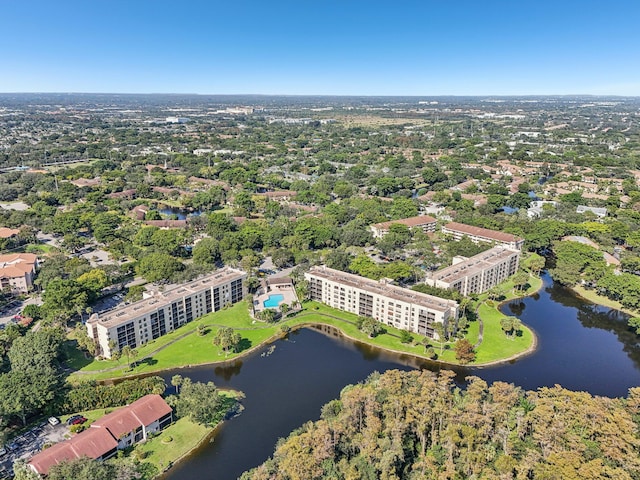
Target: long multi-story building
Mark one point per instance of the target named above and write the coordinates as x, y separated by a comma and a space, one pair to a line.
424, 222
482, 235
396, 306
140, 322
479, 273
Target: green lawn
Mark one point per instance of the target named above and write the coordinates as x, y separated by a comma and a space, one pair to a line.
190, 350
184, 436
592, 296
194, 349
496, 344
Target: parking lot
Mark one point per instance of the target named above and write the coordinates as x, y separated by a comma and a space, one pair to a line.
7, 312
30, 443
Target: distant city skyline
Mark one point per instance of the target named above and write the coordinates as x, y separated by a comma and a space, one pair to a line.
287, 47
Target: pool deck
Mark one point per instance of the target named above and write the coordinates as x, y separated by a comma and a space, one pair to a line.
275, 286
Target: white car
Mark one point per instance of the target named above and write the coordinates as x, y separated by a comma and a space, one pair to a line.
53, 421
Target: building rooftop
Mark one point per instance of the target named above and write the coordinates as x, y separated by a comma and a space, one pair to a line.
409, 222
482, 232
8, 232
127, 312
473, 264
385, 289
92, 443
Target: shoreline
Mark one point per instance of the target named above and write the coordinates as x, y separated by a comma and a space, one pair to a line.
280, 335
580, 291
206, 438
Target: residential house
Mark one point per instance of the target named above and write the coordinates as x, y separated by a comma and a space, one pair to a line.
115, 431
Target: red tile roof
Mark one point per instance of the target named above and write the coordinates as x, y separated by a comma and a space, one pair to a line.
482, 232
8, 232
101, 437
93, 443
149, 408
120, 423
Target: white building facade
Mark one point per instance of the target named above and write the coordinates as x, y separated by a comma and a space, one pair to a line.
392, 305
426, 223
140, 322
479, 273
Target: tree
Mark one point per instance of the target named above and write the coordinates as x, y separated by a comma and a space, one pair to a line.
509, 325
464, 351
282, 257
158, 266
634, 322
369, 326
405, 336
520, 279
268, 315
93, 281
61, 298
227, 339
201, 402
176, 381
536, 263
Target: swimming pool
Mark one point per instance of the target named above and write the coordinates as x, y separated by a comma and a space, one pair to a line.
273, 301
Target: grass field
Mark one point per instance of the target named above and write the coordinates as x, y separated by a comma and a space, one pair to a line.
185, 347
173, 443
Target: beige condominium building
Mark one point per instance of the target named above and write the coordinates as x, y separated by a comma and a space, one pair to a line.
396, 306
425, 222
17, 271
479, 273
482, 235
148, 319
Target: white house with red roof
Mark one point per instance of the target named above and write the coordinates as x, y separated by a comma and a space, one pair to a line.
115, 431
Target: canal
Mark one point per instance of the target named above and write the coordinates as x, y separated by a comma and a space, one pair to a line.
581, 346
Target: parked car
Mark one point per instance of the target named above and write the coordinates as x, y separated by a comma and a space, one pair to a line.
72, 419
78, 421
3, 451
53, 421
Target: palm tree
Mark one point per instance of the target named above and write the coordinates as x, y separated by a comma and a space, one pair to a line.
126, 351
176, 381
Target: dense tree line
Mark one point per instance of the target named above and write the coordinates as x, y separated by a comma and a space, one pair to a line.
93, 395
406, 425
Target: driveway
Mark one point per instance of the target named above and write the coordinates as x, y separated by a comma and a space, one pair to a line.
15, 308
29, 443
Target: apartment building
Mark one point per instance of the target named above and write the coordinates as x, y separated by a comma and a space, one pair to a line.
479, 273
396, 306
17, 271
484, 235
425, 222
148, 319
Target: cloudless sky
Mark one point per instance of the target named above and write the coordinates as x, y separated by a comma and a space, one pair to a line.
327, 47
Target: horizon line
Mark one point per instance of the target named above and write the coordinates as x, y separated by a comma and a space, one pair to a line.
323, 94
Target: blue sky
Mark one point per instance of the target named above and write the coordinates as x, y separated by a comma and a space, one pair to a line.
341, 47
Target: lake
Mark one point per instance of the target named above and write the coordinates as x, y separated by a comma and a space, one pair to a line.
580, 346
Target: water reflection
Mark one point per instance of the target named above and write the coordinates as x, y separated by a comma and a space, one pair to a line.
228, 371
581, 347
